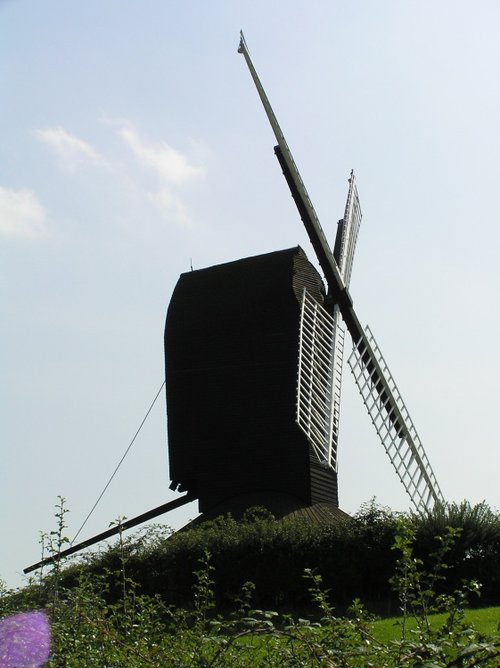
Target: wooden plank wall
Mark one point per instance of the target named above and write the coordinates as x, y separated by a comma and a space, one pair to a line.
231, 349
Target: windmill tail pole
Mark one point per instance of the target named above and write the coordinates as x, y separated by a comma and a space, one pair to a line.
127, 524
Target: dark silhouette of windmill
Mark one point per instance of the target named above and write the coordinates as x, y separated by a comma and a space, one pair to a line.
254, 353
254, 356
232, 349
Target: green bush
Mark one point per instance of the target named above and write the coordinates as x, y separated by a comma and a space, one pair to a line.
105, 620
353, 556
475, 553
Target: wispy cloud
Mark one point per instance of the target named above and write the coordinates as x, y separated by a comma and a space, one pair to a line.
170, 165
21, 214
171, 206
72, 150
166, 169
172, 169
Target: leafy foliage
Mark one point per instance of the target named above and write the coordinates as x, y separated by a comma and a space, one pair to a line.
476, 552
103, 617
353, 555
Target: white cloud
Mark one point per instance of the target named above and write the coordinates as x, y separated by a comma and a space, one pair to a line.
70, 149
171, 166
171, 207
172, 169
21, 214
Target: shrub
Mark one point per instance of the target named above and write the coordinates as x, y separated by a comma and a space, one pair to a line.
354, 557
105, 619
475, 553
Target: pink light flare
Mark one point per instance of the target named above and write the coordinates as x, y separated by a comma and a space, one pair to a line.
24, 640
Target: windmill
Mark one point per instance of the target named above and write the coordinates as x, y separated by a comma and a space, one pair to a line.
254, 355
267, 419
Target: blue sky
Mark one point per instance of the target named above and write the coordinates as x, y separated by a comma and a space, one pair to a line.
134, 144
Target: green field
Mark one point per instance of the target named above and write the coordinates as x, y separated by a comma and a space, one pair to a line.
484, 620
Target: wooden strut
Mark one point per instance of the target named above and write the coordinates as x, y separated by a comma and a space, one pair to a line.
122, 526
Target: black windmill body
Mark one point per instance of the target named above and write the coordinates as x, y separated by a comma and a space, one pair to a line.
232, 352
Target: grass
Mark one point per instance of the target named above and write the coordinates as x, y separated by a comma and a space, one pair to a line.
485, 620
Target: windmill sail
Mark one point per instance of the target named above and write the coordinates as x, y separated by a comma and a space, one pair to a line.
347, 232
345, 244
379, 391
302, 199
321, 349
392, 422
318, 385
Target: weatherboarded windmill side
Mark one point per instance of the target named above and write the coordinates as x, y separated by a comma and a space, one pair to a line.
233, 338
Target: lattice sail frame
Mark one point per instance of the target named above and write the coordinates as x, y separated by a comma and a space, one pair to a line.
351, 225
348, 237
392, 422
319, 379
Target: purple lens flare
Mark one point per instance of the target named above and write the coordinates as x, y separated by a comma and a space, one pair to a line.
24, 640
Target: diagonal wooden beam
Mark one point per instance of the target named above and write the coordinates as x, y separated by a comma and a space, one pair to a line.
127, 524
